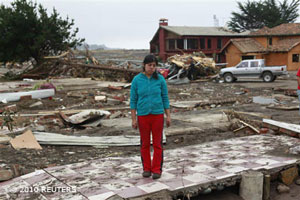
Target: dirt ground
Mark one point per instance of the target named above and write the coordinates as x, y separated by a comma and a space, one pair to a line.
242, 91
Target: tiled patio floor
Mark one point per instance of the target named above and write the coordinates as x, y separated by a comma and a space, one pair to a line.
183, 168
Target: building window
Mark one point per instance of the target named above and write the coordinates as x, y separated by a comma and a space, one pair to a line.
247, 57
270, 41
202, 43
209, 43
295, 57
192, 44
219, 58
243, 65
254, 64
179, 43
171, 44
219, 44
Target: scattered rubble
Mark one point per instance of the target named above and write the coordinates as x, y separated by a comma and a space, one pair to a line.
87, 115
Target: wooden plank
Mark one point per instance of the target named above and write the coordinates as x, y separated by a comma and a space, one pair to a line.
250, 126
283, 125
249, 113
277, 107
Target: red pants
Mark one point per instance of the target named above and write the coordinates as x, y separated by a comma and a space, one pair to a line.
147, 124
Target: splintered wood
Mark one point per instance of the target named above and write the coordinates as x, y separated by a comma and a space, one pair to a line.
199, 59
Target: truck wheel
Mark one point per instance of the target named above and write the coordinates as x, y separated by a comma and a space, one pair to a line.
228, 78
267, 77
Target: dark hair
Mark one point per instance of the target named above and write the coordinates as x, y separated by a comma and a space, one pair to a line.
149, 59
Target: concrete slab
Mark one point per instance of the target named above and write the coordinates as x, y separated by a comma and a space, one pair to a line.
197, 121
189, 168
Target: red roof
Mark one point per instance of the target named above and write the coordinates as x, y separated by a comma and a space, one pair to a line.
283, 29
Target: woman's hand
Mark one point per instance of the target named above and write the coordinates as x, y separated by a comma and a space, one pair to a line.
134, 124
168, 121
133, 118
168, 115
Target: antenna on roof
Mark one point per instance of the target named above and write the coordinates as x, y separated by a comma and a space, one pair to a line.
216, 21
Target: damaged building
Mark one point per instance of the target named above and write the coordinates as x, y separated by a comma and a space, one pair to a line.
171, 40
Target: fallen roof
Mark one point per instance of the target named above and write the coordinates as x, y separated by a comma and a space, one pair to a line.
283, 29
198, 30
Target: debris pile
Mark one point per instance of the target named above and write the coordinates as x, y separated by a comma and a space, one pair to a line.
191, 66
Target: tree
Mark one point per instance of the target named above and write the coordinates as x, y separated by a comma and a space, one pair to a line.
257, 14
28, 31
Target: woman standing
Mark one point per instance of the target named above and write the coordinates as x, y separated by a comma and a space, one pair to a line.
148, 103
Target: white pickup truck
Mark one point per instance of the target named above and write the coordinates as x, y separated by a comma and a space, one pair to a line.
252, 69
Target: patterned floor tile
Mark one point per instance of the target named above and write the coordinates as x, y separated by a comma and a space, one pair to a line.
177, 183
118, 185
131, 192
266, 161
197, 178
153, 187
234, 169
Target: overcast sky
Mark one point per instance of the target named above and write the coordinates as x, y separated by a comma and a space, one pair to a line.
131, 24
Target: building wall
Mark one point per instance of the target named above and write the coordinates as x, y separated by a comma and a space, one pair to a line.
233, 55
262, 40
293, 66
273, 59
